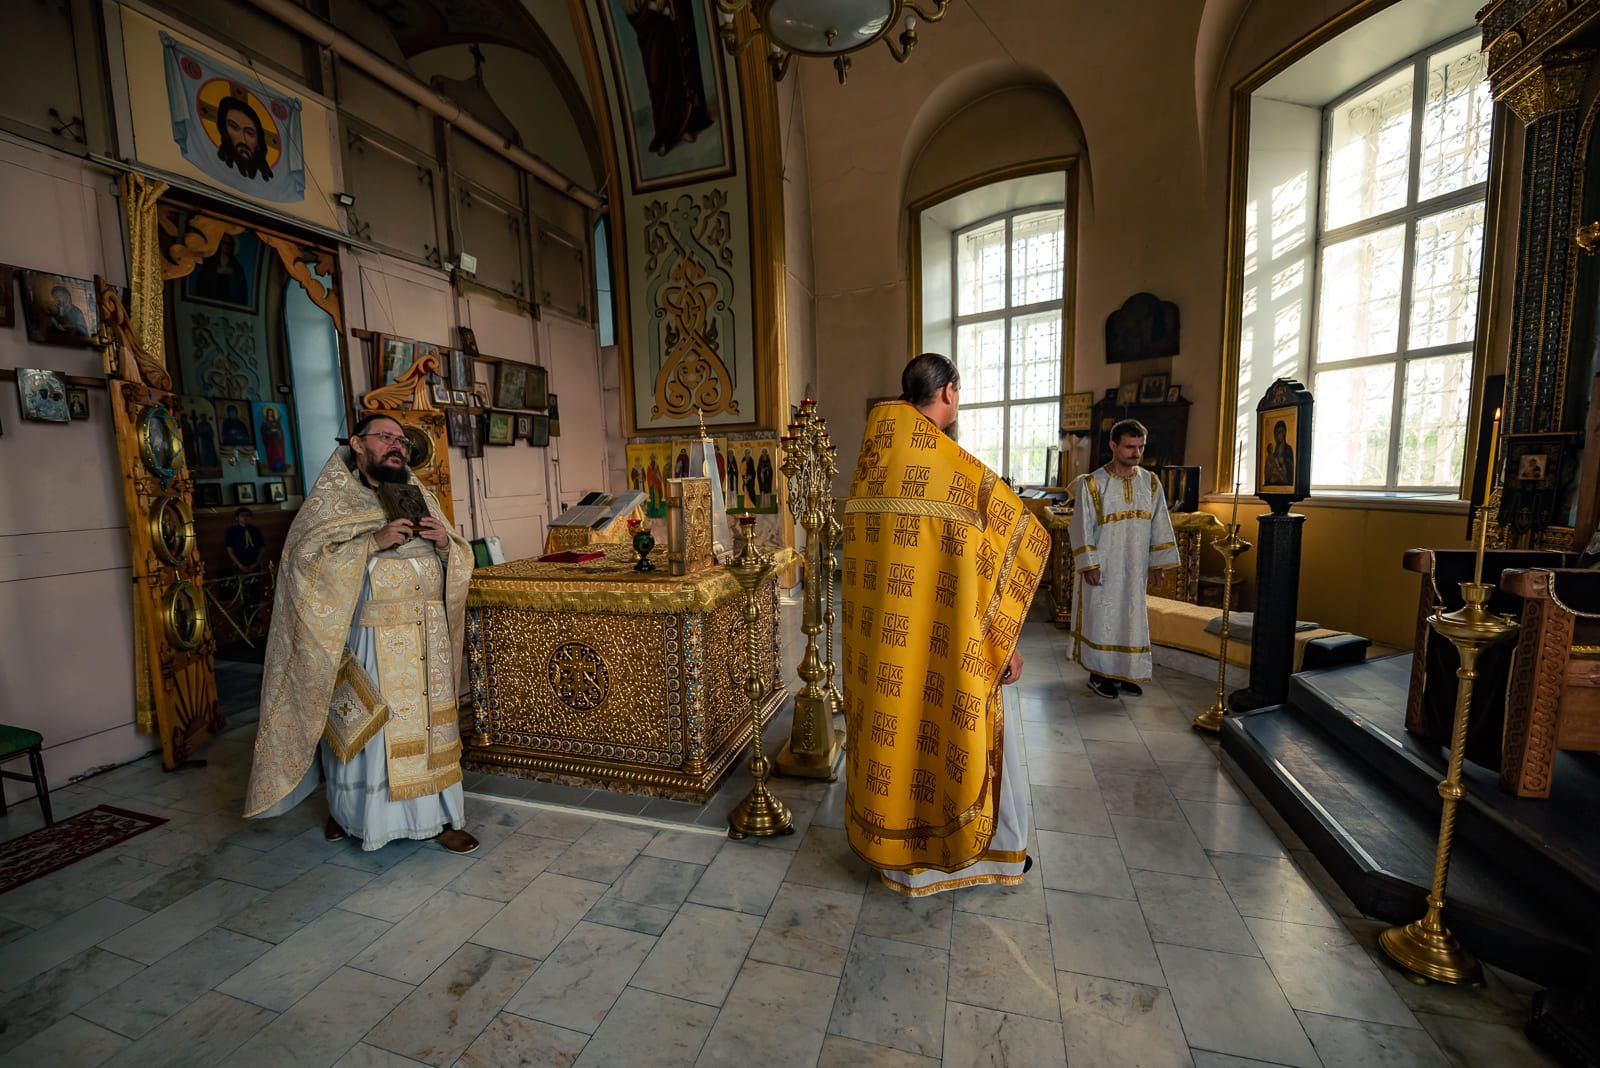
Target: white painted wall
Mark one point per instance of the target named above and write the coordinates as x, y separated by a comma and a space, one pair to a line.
66, 647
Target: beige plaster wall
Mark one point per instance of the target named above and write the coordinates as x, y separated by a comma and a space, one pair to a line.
1149, 86
66, 647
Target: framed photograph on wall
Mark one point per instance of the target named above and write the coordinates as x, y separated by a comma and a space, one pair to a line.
460, 369
441, 394
8, 307
555, 417
276, 493
208, 494
460, 397
1174, 394
42, 395
500, 428
536, 393
78, 402
395, 355
59, 310
460, 428
1153, 388
244, 493
1127, 393
539, 431
510, 384
524, 425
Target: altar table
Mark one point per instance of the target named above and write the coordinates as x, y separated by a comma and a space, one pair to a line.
595, 674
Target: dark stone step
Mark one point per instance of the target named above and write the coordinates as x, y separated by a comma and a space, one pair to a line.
1553, 841
1378, 843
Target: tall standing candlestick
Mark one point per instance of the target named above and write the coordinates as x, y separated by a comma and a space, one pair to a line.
1483, 509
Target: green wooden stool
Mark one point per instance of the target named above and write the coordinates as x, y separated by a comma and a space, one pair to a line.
14, 742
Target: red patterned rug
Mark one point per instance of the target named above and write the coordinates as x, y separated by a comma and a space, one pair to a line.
52, 848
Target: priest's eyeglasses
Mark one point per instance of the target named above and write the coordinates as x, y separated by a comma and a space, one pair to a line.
387, 439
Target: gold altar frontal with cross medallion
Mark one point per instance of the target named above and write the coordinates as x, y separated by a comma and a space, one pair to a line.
595, 674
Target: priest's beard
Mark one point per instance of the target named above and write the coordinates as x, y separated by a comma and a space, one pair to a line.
378, 472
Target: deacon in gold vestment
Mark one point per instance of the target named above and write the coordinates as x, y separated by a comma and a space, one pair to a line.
362, 657
941, 561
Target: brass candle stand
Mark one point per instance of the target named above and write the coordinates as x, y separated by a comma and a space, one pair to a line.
834, 532
1230, 548
759, 813
1426, 947
809, 466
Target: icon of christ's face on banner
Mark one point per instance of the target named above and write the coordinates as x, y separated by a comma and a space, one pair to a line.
241, 128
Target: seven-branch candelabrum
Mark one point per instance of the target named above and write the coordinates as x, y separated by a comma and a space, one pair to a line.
809, 466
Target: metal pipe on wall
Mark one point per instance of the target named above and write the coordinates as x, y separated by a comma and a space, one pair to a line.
374, 65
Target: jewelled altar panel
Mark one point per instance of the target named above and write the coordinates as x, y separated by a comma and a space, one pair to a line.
597, 674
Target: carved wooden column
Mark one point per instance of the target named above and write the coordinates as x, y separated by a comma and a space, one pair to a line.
1545, 98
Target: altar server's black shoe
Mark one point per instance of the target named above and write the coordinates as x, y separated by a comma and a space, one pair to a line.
1132, 689
1103, 686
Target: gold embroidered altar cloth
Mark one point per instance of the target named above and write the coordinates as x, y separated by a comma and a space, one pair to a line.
596, 674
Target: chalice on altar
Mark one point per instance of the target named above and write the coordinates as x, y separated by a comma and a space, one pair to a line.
643, 542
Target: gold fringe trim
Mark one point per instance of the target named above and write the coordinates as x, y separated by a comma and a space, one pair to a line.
953, 884
425, 787
442, 715
401, 750
444, 756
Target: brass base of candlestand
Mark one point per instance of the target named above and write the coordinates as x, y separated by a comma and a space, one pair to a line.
760, 813
1230, 547
1211, 718
811, 764
1426, 949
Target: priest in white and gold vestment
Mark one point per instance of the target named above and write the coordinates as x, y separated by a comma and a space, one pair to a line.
359, 685
1120, 532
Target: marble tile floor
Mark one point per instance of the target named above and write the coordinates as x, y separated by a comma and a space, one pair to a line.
1170, 919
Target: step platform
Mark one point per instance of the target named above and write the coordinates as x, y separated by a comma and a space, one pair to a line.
1337, 762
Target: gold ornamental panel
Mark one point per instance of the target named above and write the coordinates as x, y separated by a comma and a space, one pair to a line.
185, 616
578, 676
538, 706
172, 529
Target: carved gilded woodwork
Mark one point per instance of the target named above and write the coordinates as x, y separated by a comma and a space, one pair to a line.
1553, 84
176, 693
691, 300
1533, 697
189, 238
147, 294
410, 390
1517, 34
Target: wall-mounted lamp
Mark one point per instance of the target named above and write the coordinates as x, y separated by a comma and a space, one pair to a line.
344, 200
467, 263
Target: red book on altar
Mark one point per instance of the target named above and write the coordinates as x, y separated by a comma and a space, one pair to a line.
569, 557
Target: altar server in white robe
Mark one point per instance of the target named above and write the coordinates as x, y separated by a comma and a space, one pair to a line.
1121, 533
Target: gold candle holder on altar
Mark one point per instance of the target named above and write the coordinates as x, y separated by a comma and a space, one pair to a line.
809, 466
759, 813
1230, 548
1426, 948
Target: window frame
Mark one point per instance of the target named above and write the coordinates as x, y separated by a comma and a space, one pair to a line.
1007, 314
1409, 216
